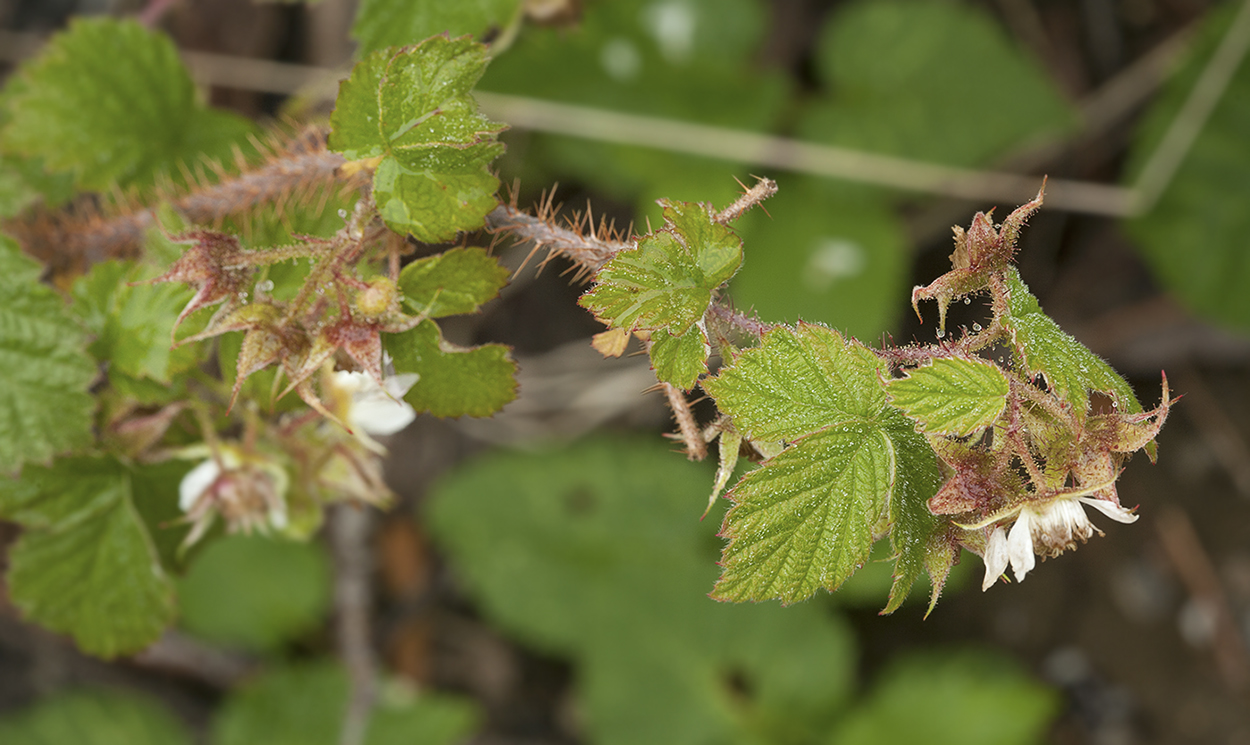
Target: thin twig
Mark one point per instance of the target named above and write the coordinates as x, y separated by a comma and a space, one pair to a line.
350, 526
696, 448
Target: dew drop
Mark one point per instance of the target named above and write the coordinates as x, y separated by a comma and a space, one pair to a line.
941, 333
976, 327
967, 301
343, 214
266, 286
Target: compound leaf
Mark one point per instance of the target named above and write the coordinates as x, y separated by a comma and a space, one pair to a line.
952, 396
454, 381
86, 565
44, 405
453, 282
667, 281
391, 23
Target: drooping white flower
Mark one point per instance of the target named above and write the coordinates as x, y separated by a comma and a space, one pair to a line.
372, 409
1042, 529
247, 491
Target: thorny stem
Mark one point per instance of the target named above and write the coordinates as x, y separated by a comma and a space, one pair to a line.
696, 448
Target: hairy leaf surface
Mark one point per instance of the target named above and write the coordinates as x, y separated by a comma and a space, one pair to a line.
392, 23
454, 381
679, 359
952, 396
451, 283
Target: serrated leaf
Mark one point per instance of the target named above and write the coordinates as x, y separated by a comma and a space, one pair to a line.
667, 281
916, 538
144, 115
799, 381
1071, 370
93, 718
305, 704
607, 533
679, 360
952, 396
451, 283
454, 381
133, 323
1193, 238
413, 109
254, 592
44, 405
391, 23
86, 565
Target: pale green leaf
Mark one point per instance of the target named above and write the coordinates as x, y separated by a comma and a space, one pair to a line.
679, 359
432, 204
951, 396
917, 538
1070, 369
668, 280
93, 718
453, 282
143, 117
392, 23
86, 566
798, 381
454, 381
45, 408
255, 592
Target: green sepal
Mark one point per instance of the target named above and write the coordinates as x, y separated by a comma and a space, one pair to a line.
454, 381
86, 565
679, 360
668, 280
45, 408
952, 396
451, 283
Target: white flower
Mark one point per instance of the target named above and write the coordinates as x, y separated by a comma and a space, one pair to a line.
373, 409
247, 491
1044, 529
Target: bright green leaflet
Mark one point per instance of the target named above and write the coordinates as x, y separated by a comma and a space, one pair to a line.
451, 283
952, 396
86, 565
132, 324
391, 23
1070, 368
1195, 236
951, 698
667, 281
413, 108
679, 359
44, 405
255, 592
304, 705
93, 718
454, 381
144, 115
596, 552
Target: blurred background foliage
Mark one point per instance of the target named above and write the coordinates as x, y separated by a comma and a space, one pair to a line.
581, 562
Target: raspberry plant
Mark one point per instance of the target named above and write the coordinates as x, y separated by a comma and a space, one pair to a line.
150, 383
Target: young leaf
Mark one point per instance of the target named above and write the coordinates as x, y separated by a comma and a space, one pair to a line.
667, 281
392, 23
111, 101
799, 381
451, 283
916, 539
454, 381
86, 565
94, 718
679, 359
1070, 368
44, 405
951, 396
413, 110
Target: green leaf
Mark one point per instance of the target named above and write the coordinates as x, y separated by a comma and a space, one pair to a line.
93, 718
454, 381
917, 538
952, 396
667, 281
1194, 237
23, 182
393, 23
799, 381
143, 114
451, 283
254, 592
596, 552
86, 565
413, 109
304, 705
953, 90
679, 359
44, 405
1071, 370
945, 698
133, 323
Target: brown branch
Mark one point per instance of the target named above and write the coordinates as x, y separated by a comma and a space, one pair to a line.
589, 251
350, 525
696, 448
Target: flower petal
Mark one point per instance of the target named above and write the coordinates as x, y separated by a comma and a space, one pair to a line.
995, 557
1113, 511
1020, 545
196, 482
